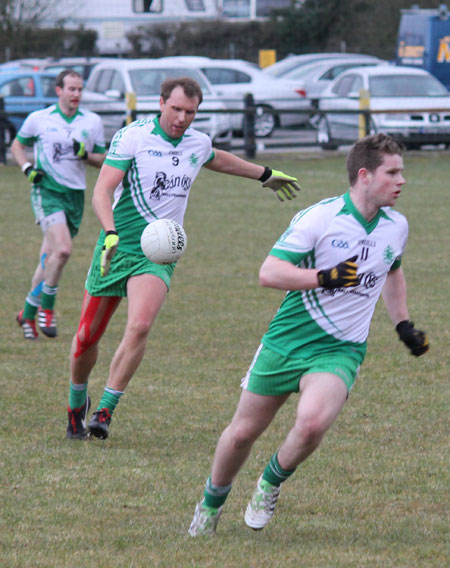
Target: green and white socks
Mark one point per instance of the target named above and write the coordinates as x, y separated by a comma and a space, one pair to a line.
215, 496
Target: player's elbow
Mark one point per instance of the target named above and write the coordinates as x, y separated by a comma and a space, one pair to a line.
265, 278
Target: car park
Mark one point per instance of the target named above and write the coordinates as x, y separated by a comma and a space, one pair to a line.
317, 75
113, 83
407, 103
82, 65
291, 62
24, 91
34, 64
233, 79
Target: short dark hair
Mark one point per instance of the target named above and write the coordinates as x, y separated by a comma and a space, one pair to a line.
369, 153
190, 88
59, 81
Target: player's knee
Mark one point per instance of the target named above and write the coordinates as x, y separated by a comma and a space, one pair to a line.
242, 436
84, 341
310, 430
138, 330
62, 255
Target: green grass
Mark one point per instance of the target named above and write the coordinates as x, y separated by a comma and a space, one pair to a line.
374, 495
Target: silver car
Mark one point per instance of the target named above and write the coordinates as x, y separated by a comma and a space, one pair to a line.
404, 102
233, 79
317, 75
111, 84
292, 62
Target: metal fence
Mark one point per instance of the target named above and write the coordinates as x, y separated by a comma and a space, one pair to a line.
250, 143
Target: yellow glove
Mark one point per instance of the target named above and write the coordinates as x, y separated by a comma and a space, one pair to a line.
108, 251
79, 149
282, 184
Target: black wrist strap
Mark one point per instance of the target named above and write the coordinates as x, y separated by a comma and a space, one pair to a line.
266, 175
111, 233
403, 326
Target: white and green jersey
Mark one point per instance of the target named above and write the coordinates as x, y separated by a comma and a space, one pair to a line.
52, 133
321, 236
159, 173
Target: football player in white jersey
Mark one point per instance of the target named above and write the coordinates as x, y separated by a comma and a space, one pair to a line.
334, 261
65, 139
148, 175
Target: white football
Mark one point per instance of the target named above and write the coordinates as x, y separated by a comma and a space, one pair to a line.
163, 241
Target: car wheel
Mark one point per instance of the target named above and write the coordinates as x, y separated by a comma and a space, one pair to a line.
324, 138
265, 122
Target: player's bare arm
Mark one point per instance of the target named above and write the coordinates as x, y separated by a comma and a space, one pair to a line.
282, 275
394, 296
96, 160
227, 163
18, 150
108, 179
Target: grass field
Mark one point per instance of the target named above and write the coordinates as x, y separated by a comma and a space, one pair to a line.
374, 495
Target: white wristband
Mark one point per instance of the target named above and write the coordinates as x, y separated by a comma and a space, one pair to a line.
26, 166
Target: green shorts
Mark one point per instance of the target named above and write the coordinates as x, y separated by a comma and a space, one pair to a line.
272, 374
123, 266
45, 202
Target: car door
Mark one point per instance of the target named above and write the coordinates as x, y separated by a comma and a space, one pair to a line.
25, 94
105, 94
230, 85
344, 126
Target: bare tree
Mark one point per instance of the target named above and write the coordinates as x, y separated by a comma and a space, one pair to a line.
18, 20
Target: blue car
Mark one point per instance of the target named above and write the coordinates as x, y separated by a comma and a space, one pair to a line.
24, 91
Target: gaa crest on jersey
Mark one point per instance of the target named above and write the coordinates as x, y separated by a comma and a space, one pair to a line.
388, 255
193, 159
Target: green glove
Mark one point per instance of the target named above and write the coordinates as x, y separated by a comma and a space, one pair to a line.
282, 184
414, 339
79, 149
108, 251
34, 175
341, 276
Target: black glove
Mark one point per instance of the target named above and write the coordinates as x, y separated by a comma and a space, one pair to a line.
79, 149
414, 339
341, 276
34, 175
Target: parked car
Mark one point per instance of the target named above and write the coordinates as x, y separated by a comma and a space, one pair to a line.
25, 91
405, 102
232, 79
291, 62
34, 64
317, 75
82, 65
111, 82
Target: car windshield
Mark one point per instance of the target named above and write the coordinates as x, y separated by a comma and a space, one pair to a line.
405, 86
284, 66
147, 82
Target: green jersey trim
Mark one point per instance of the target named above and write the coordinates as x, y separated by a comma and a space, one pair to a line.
396, 264
157, 129
350, 209
138, 191
68, 119
123, 165
98, 149
26, 141
211, 157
